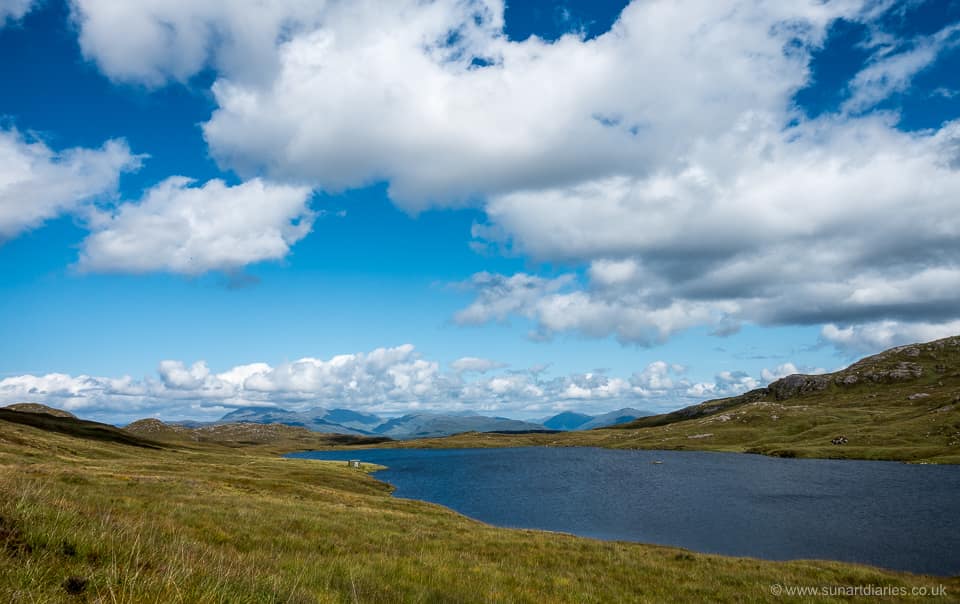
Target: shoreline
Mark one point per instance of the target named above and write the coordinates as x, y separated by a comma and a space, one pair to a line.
371, 468
495, 440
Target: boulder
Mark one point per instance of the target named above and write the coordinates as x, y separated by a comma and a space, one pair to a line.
797, 385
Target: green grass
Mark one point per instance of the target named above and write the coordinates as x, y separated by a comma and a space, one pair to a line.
86, 520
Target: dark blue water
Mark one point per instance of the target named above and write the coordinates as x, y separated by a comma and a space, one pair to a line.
885, 514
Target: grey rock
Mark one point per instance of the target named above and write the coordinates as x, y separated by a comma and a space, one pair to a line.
847, 380
797, 385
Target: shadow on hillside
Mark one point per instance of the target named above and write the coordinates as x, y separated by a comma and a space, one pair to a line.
76, 427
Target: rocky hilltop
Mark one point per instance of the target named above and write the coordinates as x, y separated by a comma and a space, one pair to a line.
901, 403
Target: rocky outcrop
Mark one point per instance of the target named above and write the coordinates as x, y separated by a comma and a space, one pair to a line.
797, 385
903, 371
894, 366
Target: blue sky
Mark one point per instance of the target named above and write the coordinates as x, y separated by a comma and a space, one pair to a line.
443, 206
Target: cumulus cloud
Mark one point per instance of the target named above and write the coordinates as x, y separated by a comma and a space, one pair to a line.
555, 305
153, 42
881, 335
12, 10
385, 380
726, 383
396, 93
187, 229
500, 296
176, 376
707, 200
693, 201
809, 230
783, 370
38, 183
475, 364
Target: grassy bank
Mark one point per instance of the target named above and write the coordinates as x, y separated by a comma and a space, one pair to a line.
93, 520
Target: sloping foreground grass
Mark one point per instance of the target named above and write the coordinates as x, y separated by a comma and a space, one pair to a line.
96, 521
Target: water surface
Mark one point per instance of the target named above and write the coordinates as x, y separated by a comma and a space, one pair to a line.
885, 514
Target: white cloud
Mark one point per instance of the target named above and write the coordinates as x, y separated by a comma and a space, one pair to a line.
778, 372
873, 337
475, 364
690, 199
595, 313
588, 387
194, 229
157, 41
12, 10
891, 72
386, 93
614, 273
809, 229
177, 376
500, 296
666, 155
726, 383
658, 376
385, 380
38, 183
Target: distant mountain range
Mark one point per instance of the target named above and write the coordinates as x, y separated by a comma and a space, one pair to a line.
317, 419
571, 420
421, 425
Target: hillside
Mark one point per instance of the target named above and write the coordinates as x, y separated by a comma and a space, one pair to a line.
83, 519
568, 420
245, 433
614, 418
38, 408
425, 425
71, 426
901, 404
316, 419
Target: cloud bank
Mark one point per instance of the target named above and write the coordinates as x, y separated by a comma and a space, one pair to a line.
386, 380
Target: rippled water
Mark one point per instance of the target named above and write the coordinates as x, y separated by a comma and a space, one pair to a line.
886, 514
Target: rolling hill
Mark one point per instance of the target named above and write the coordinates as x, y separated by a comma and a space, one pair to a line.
425, 425
568, 420
245, 433
903, 402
